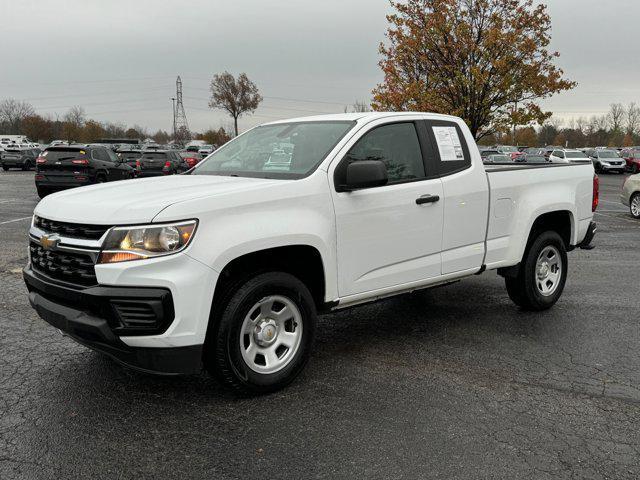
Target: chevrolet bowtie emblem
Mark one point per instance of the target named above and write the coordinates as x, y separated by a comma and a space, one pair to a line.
49, 242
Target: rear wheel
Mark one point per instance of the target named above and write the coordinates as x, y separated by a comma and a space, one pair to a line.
634, 205
26, 166
542, 275
5, 168
100, 178
263, 338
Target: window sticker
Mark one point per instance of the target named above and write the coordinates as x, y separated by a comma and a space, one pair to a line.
448, 144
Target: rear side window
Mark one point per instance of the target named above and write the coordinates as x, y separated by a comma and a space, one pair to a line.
451, 150
100, 154
397, 145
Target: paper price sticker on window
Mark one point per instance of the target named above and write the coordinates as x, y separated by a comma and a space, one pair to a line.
448, 144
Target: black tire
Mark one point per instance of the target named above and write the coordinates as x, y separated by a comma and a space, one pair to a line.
523, 289
598, 168
635, 169
636, 197
100, 178
26, 167
43, 191
5, 168
223, 356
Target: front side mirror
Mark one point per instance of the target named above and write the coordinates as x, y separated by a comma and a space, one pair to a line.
365, 174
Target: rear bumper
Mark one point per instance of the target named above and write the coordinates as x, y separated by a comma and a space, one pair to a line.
150, 173
89, 318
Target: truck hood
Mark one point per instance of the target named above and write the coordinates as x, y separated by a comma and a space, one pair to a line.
140, 200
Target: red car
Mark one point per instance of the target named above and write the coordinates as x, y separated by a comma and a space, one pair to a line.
632, 157
192, 158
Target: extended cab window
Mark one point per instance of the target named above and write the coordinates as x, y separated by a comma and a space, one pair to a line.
450, 146
397, 146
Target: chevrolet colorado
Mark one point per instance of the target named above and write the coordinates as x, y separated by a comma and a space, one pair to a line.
226, 267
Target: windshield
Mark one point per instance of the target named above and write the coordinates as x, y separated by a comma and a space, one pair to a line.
508, 149
575, 155
284, 150
607, 154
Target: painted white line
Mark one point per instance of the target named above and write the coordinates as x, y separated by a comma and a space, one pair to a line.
14, 220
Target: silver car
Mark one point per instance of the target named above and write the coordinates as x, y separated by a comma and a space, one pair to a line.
630, 195
607, 161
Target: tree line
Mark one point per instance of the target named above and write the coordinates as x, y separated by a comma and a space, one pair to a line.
620, 127
20, 118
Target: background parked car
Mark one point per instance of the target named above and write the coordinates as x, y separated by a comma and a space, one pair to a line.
607, 161
24, 159
568, 156
497, 158
154, 163
630, 195
206, 149
485, 152
191, 158
131, 158
68, 166
509, 150
531, 159
632, 159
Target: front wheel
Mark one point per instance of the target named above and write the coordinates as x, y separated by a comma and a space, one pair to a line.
542, 275
43, 191
634, 205
263, 338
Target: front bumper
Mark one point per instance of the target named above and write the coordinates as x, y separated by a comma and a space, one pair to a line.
613, 168
91, 317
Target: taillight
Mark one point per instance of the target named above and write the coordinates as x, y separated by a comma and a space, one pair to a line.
596, 193
80, 161
41, 160
137, 163
167, 164
39, 177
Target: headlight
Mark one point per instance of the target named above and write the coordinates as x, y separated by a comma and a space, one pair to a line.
604, 163
146, 241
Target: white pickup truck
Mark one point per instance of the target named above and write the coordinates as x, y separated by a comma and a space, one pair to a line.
226, 267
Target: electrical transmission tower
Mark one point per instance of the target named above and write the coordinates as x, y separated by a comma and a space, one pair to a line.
180, 126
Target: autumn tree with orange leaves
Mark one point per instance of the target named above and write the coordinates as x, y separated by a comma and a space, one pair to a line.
476, 59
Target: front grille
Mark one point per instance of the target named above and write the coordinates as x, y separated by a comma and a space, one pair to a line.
73, 230
75, 268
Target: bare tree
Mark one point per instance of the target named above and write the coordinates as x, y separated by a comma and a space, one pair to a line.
13, 112
632, 119
74, 121
235, 96
616, 116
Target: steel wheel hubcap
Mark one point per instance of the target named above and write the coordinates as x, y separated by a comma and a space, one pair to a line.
271, 334
548, 270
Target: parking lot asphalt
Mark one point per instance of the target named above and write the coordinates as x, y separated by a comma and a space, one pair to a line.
454, 382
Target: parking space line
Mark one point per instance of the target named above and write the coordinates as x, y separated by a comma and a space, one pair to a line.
14, 220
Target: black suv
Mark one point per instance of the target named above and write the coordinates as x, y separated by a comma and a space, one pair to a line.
18, 158
62, 167
161, 162
131, 158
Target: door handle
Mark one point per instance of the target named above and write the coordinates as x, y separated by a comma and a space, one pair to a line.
427, 199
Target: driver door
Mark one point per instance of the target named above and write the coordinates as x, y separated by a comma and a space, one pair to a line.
388, 236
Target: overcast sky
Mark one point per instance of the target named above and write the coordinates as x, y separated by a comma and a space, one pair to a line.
119, 58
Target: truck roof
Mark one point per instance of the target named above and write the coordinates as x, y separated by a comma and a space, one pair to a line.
361, 116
